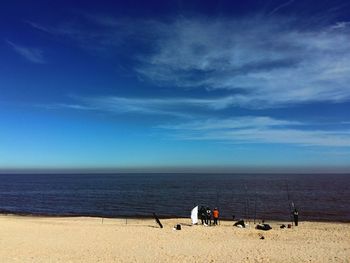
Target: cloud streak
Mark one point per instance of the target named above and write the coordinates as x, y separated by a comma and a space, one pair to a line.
280, 7
242, 129
253, 129
34, 55
150, 106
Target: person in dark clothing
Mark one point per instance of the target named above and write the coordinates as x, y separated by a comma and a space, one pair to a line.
296, 216
208, 216
202, 214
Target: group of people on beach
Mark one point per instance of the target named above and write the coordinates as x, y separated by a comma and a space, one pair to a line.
206, 215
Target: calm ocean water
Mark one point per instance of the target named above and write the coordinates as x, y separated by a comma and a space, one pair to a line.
317, 196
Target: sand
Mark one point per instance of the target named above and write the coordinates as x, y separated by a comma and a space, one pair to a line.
84, 239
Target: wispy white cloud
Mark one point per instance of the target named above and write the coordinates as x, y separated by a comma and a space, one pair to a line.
34, 55
233, 123
263, 62
181, 107
98, 33
275, 10
67, 106
341, 25
252, 129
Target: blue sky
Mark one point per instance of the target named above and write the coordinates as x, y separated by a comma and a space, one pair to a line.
174, 84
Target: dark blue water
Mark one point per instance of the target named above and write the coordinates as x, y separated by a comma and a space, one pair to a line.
317, 196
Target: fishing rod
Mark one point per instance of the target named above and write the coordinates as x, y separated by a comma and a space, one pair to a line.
291, 204
104, 211
246, 203
217, 200
255, 207
233, 215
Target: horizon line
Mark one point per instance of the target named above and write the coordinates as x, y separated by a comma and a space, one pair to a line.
183, 169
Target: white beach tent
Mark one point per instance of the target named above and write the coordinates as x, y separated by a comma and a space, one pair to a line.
194, 215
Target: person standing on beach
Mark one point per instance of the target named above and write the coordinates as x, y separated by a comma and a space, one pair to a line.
208, 221
202, 214
296, 216
215, 216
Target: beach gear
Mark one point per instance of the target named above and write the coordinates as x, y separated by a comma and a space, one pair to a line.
246, 206
157, 220
255, 206
291, 204
240, 224
264, 227
177, 227
194, 215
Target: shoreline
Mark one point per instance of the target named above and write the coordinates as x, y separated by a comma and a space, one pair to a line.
141, 217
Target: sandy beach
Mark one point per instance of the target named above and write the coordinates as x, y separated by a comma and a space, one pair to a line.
84, 239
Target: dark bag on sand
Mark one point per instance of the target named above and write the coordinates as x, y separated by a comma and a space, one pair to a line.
264, 227
239, 223
178, 227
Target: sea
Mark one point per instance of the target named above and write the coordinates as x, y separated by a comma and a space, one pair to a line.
318, 197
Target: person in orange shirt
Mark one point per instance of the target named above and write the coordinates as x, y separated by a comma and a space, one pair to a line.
215, 215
